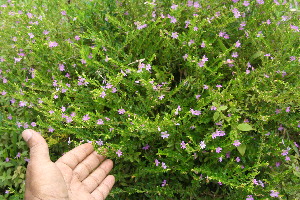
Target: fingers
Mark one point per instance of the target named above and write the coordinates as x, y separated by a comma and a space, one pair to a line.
94, 179
103, 190
83, 169
39, 151
76, 155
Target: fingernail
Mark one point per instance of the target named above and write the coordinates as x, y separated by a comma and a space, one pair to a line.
27, 134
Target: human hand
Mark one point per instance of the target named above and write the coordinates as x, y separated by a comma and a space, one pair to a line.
73, 176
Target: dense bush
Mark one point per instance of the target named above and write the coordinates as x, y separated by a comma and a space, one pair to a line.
192, 100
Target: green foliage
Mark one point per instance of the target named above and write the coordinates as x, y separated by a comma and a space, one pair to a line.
182, 80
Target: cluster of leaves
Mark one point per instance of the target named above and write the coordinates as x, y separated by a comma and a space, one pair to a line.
190, 99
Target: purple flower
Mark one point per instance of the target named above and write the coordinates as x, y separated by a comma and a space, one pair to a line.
201, 63
31, 35
173, 20
287, 109
103, 94
274, 193
238, 44
164, 134
119, 152
100, 122
219, 86
45, 32
146, 147
218, 149
6, 159
142, 26
22, 104
236, 13
213, 108
53, 44
238, 159
164, 183
185, 56
236, 143
174, 35
218, 134
246, 3
287, 158
249, 197
285, 152
51, 129
174, 6
260, 1
121, 111
195, 112
161, 97
202, 145
156, 162
61, 67
163, 165
234, 54
86, 117
100, 142
77, 37
183, 145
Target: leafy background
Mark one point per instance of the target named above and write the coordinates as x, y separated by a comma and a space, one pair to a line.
189, 69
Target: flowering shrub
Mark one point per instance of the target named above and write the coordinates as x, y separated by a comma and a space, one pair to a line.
190, 99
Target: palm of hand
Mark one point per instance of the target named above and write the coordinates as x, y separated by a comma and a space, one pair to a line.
71, 177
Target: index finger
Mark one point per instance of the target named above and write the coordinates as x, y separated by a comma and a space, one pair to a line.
76, 155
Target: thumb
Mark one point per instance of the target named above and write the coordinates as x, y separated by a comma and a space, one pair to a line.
39, 150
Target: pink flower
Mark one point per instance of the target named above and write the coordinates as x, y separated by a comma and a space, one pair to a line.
100, 122
85, 117
103, 94
174, 35
45, 32
53, 44
218, 149
156, 162
22, 104
121, 111
119, 153
77, 37
61, 67
183, 145
236, 143
195, 112
246, 3
164, 134
274, 193
260, 1
164, 183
